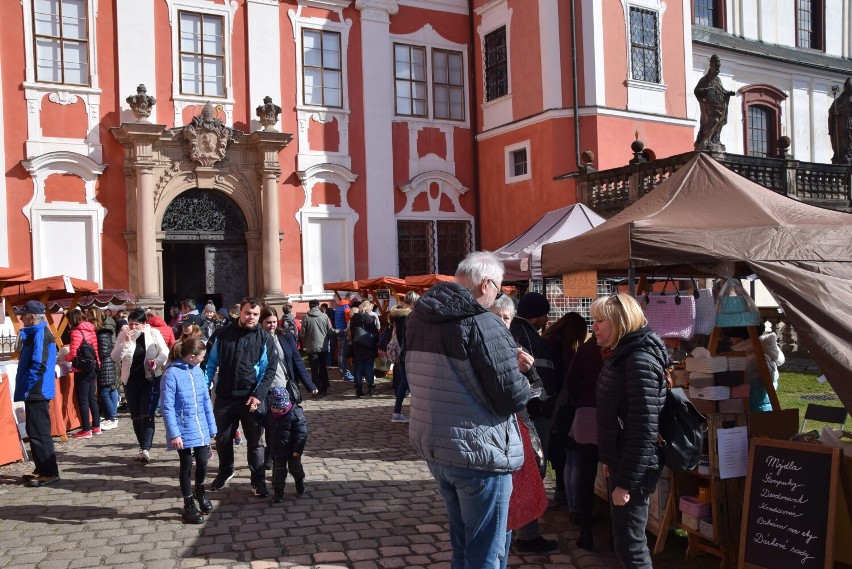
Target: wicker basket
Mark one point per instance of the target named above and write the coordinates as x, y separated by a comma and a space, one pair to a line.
713, 393
698, 379
731, 406
707, 365
690, 521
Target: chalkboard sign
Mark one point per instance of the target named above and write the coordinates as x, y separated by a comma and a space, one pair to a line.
383, 294
788, 518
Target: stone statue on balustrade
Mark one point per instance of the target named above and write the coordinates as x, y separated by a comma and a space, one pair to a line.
713, 100
267, 114
840, 124
141, 103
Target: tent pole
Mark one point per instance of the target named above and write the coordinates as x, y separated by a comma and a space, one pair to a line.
631, 281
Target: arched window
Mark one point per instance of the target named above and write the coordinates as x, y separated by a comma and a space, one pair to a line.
762, 112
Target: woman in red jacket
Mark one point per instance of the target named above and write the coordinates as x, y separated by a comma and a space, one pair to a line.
85, 382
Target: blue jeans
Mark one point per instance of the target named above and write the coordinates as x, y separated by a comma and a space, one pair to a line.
365, 369
109, 402
478, 507
342, 362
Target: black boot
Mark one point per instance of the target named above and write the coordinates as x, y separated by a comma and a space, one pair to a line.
279, 478
300, 486
204, 503
585, 540
190, 513
359, 392
372, 390
278, 497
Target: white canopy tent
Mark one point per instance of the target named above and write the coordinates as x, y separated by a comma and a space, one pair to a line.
522, 255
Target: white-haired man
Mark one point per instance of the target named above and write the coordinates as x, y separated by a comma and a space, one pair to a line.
465, 376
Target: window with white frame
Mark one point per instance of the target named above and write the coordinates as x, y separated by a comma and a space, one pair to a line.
810, 24
496, 65
202, 54
432, 246
448, 84
644, 45
322, 70
410, 80
518, 162
61, 42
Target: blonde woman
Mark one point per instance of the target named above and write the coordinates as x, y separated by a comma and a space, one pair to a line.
364, 333
630, 396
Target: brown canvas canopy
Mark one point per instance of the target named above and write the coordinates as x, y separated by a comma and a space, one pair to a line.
705, 220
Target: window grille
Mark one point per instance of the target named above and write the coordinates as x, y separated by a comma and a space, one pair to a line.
644, 46
496, 65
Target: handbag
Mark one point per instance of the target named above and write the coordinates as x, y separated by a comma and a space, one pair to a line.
528, 500
669, 315
734, 307
705, 309
393, 349
365, 338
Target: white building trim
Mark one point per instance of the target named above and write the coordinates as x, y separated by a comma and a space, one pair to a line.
264, 53
642, 95
508, 152
4, 206
448, 185
450, 6
551, 54
80, 225
134, 28
593, 66
181, 101
494, 15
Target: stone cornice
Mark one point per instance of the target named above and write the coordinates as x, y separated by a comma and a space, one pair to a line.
377, 10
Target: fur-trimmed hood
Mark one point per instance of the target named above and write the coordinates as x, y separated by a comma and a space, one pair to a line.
400, 311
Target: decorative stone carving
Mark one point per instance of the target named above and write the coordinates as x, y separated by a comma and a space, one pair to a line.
267, 114
840, 124
713, 99
377, 10
62, 98
141, 103
207, 138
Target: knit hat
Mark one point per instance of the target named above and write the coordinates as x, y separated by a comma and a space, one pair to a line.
532, 305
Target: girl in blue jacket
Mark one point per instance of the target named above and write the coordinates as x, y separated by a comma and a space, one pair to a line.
189, 422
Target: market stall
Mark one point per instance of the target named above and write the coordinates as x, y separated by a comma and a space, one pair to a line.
11, 448
706, 221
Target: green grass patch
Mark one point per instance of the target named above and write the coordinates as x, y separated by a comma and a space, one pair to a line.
796, 390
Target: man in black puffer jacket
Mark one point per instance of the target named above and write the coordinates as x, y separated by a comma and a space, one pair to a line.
465, 376
246, 358
630, 395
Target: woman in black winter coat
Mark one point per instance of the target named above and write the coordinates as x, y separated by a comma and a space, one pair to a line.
364, 335
107, 376
630, 395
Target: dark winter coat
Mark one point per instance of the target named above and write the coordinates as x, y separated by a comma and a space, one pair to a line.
630, 396
527, 337
107, 375
462, 367
315, 331
36, 376
246, 360
398, 315
361, 323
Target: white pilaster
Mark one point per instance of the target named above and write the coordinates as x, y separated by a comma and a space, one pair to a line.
264, 53
134, 41
378, 143
593, 67
551, 55
4, 235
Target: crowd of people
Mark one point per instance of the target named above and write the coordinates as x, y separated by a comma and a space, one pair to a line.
497, 393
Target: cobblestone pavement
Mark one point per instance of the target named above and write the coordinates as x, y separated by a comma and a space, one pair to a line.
370, 504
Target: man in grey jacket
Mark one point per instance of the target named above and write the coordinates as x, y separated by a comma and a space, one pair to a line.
465, 376
316, 330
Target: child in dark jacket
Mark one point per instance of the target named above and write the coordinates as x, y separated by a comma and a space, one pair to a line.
288, 434
189, 422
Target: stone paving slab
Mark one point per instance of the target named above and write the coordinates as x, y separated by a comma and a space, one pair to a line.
370, 504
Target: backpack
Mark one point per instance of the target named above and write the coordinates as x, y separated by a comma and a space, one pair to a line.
86, 361
681, 434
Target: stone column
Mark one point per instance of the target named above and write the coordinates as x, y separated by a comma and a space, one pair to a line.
139, 139
267, 145
377, 78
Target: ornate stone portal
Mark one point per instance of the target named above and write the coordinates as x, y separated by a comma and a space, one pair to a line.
161, 164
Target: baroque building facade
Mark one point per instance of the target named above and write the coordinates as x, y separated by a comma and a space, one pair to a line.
212, 148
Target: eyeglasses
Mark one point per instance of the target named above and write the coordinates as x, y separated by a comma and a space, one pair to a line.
618, 300
499, 292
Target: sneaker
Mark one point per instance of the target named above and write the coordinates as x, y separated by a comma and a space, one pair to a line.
96, 430
82, 435
399, 418
348, 376
537, 545
259, 490
279, 497
108, 425
220, 481
42, 480
238, 438
28, 477
144, 456
300, 486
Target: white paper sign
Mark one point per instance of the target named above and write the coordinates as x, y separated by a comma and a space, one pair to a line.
69, 288
732, 452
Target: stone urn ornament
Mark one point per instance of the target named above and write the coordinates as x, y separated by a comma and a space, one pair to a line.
141, 103
267, 114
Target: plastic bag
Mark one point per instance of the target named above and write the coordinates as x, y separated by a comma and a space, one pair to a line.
734, 306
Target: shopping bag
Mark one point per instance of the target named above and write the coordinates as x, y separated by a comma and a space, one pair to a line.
705, 310
670, 315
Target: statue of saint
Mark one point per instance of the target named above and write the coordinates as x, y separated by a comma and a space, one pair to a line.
713, 100
840, 125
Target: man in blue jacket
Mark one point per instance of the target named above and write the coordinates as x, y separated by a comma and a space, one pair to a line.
246, 358
35, 385
466, 379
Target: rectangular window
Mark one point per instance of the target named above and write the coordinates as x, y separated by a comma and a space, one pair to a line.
61, 41
706, 13
453, 245
202, 54
322, 68
809, 24
410, 80
415, 246
448, 84
496, 65
759, 131
644, 46
519, 162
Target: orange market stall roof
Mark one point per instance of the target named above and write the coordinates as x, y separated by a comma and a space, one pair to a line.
422, 282
102, 298
47, 290
12, 276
